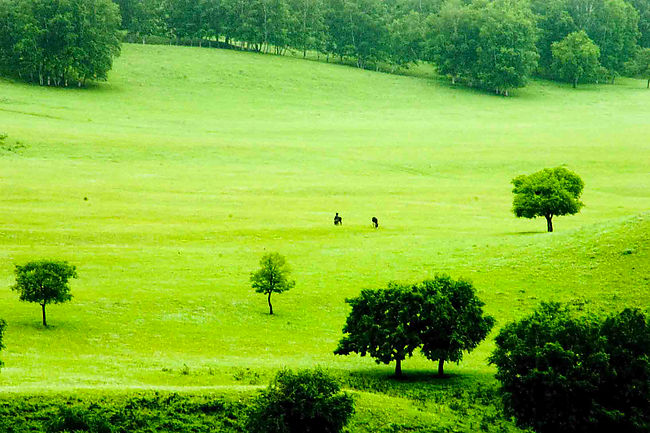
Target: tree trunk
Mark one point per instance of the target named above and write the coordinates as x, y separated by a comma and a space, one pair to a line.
648, 84
44, 320
575, 83
549, 223
398, 368
270, 306
441, 367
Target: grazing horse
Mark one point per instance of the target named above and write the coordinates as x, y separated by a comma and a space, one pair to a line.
338, 221
375, 222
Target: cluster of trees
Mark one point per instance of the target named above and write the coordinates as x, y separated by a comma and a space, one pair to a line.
58, 42
495, 44
442, 317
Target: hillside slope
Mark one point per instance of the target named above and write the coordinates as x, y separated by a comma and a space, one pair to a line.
166, 184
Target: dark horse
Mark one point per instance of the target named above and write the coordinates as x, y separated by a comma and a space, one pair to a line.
338, 221
375, 222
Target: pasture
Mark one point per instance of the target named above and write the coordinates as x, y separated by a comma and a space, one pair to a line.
195, 162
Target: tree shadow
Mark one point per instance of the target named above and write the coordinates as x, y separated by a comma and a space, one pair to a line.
526, 233
415, 381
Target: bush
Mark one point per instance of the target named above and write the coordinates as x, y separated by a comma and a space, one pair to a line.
301, 402
79, 419
560, 372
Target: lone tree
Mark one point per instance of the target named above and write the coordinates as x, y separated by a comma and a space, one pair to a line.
563, 372
304, 401
272, 277
547, 193
575, 58
442, 317
44, 282
3, 326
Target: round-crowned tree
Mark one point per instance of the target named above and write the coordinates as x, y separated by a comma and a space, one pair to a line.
44, 282
575, 58
301, 402
563, 372
272, 277
548, 193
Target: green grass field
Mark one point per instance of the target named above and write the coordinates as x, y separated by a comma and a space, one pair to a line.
195, 162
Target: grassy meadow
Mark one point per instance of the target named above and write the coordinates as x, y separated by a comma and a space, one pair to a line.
166, 184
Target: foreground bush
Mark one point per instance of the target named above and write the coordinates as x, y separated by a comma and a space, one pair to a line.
561, 372
301, 402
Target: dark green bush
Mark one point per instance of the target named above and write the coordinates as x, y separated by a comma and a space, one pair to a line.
301, 402
563, 372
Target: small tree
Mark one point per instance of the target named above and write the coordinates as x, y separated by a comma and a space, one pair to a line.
561, 372
272, 277
575, 58
547, 193
44, 282
442, 316
304, 401
3, 326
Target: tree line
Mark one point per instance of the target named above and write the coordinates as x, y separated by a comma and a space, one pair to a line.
494, 44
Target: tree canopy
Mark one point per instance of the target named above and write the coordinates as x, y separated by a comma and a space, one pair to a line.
564, 372
488, 44
575, 58
58, 43
44, 282
443, 317
548, 193
272, 277
302, 401
493, 44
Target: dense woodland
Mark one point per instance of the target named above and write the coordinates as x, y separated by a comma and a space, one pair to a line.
493, 44
58, 43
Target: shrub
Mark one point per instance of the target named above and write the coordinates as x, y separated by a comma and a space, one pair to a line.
301, 402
